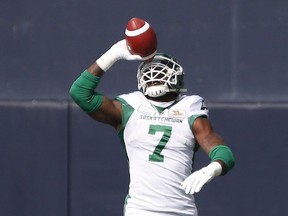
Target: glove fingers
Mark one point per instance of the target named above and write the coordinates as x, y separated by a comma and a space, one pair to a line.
196, 185
195, 182
184, 184
189, 187
189, 183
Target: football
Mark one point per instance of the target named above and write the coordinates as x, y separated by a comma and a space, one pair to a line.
141, 38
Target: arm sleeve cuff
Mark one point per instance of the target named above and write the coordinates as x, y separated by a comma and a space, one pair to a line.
223, 153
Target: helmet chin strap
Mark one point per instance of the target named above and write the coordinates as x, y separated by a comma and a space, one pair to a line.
156, 91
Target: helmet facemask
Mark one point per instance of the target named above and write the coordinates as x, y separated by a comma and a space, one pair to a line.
163, 74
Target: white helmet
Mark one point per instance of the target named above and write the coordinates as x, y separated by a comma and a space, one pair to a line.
163, 74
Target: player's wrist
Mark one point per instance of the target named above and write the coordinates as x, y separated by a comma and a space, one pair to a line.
107, 60
223, 153
213, 169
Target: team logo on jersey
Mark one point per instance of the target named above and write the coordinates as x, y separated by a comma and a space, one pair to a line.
146, 110
177, 113
203, 106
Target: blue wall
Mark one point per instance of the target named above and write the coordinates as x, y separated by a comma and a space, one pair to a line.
55, 160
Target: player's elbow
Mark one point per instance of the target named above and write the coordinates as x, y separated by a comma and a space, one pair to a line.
73, 93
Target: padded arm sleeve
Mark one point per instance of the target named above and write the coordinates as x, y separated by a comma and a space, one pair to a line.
82, 92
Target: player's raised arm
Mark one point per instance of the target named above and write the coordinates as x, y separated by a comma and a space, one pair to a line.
100, 107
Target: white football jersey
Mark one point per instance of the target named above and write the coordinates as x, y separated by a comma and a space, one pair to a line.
160, 149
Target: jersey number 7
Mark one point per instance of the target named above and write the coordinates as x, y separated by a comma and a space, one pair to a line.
166, 130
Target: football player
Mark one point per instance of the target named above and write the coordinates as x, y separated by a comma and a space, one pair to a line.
161, 129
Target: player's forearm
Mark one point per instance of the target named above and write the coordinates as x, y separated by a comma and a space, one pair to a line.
83, 89
214, 145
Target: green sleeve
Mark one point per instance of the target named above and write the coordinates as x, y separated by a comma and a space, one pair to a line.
223, 153
82, 92
192, 118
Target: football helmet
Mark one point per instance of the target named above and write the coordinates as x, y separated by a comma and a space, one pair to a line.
163, 74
